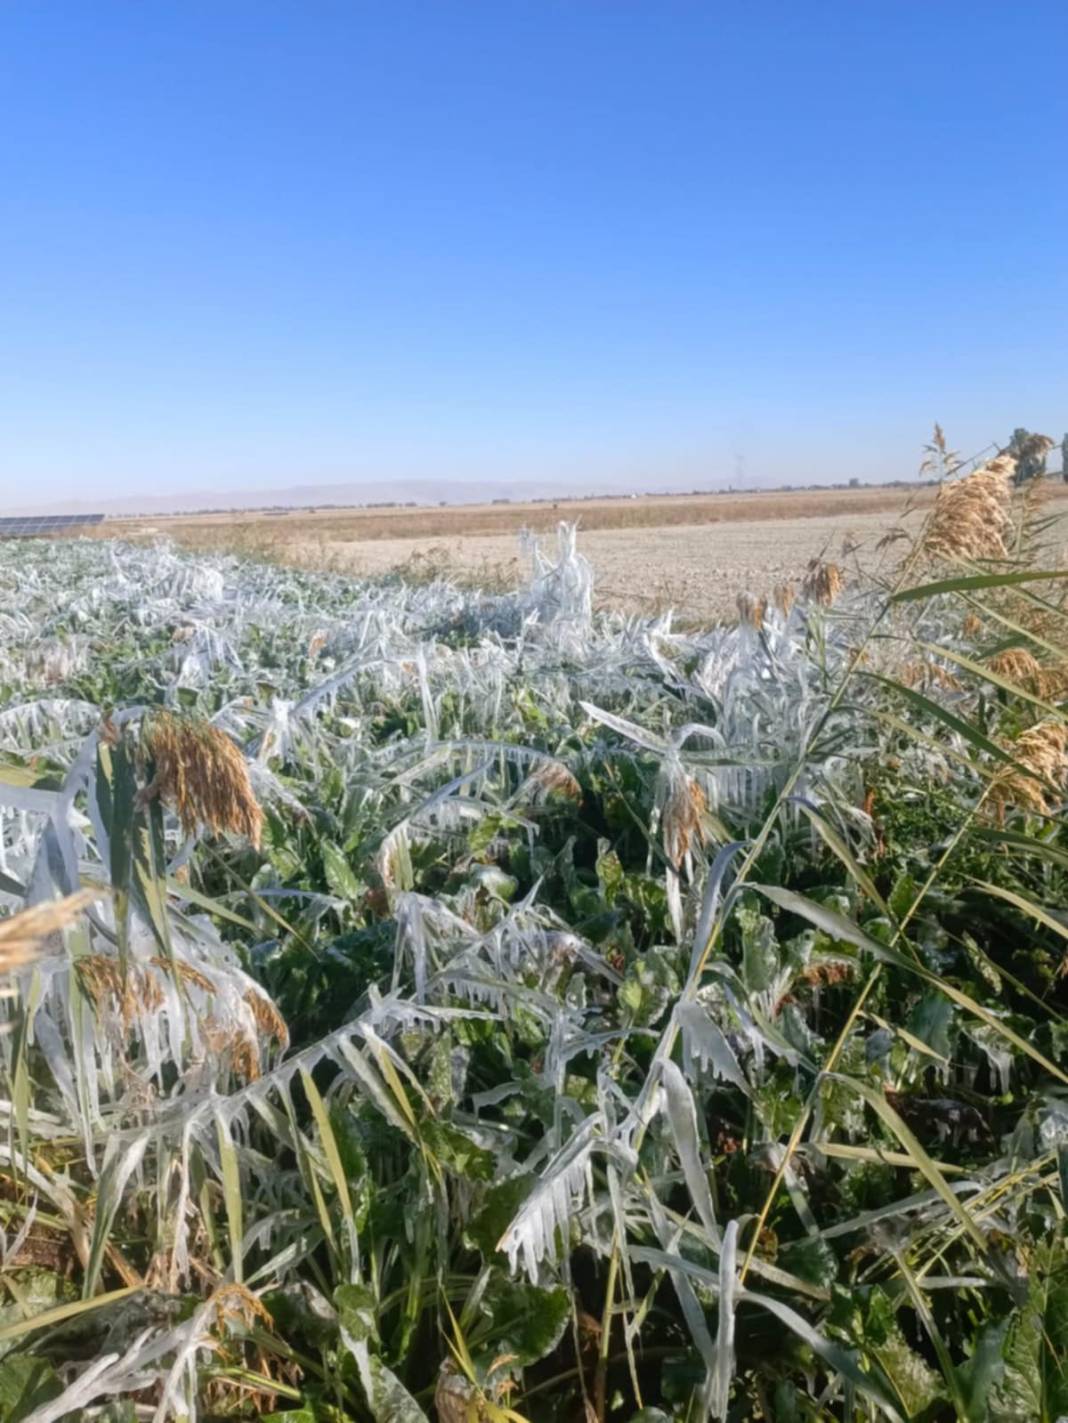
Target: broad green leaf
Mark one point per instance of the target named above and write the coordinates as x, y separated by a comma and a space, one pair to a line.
1034, 1385
525, 1320
980, 1374
339, 873
25, 1383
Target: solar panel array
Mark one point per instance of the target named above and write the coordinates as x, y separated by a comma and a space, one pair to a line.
30, 526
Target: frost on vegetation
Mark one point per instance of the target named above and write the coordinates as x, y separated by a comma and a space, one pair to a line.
187, 735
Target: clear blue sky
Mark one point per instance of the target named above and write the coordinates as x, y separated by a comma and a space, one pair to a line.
248, 243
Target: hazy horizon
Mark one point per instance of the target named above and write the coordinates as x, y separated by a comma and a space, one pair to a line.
250, 247
350, 493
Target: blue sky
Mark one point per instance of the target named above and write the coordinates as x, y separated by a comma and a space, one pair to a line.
246, 243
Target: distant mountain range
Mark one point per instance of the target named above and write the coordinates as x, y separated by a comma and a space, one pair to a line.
405, 491
414, 491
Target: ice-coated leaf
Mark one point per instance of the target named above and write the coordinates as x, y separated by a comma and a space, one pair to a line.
682, 1119
548, 1207
704, 1045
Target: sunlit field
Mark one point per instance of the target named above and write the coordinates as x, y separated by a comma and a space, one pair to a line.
488, 999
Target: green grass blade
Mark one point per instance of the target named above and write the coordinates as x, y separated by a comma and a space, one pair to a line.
334, 1163
915, 1151
987, 674
964, 729
974, 582
231, 1183
62, 1312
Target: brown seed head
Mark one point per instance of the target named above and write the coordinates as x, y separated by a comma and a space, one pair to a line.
202, 775
1017, 665
268, 1019
751, 610
823, 582
178, 968
683, 814
928, 674
23, 934
233, 1047
551, 778
784, 597
125, 988
1043, 752
1053, 683
970, 518
233, 1303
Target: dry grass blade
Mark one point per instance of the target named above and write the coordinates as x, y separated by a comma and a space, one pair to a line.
202, 774
23, 934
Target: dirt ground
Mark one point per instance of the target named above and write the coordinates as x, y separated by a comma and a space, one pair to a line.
698, 569
693, 553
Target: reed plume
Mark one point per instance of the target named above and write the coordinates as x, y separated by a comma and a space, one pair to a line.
551, 778
234, 1303
23, 934
784, 596
1042, 751
751, 610
1020, 667
971, 518
822, 582
202, 775
1017, 665
929, 674
268, 1019
125, 988
683, 818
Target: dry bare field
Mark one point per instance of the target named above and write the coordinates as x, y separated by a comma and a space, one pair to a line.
690, 552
